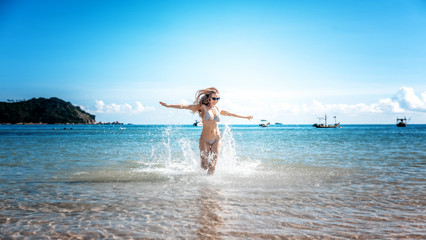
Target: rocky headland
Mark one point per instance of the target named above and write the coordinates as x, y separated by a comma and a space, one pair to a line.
43, 111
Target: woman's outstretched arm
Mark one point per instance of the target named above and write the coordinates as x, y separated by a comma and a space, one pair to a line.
226, 113
179, 106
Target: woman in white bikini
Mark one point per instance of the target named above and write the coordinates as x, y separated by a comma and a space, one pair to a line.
210, 141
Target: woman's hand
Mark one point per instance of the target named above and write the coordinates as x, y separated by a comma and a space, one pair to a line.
250, 117
164, 104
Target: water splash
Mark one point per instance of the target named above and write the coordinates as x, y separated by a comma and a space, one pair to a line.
229, 160
171, 154
176, 154
189, 155
166, 135
228, 156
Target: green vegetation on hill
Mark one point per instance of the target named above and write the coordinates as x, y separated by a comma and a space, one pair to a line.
42, 110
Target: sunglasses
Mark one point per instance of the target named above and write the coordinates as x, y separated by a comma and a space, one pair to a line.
216, 98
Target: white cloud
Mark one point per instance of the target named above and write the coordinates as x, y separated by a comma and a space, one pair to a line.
270, 105
408, 100
405, 100
101, 107
277, 106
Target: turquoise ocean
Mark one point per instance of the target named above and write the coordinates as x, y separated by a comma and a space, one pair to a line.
279, 182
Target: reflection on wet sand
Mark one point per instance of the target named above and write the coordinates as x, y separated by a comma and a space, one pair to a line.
210, 214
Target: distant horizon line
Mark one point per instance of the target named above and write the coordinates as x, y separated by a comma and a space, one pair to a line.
175, 124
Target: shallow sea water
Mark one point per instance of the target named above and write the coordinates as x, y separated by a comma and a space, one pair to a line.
145, 182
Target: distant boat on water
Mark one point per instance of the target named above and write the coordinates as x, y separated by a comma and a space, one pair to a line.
197, 123
264, 123
325, 125
401, 122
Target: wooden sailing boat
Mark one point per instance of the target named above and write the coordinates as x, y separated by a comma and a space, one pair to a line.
325, 125
401, 122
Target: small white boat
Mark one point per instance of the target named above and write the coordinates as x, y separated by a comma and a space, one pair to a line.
264, 123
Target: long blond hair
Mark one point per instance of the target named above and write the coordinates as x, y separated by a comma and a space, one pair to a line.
202, 97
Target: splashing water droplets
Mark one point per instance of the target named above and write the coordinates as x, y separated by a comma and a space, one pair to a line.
228, 155
166, 134
189, 156
229, 162
176, 154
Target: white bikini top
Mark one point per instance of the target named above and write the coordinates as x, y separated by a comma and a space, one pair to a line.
208, 116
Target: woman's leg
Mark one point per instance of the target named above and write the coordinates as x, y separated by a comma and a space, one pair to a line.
215, 150
204, 153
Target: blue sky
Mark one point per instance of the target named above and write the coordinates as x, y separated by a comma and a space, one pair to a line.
285, 61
